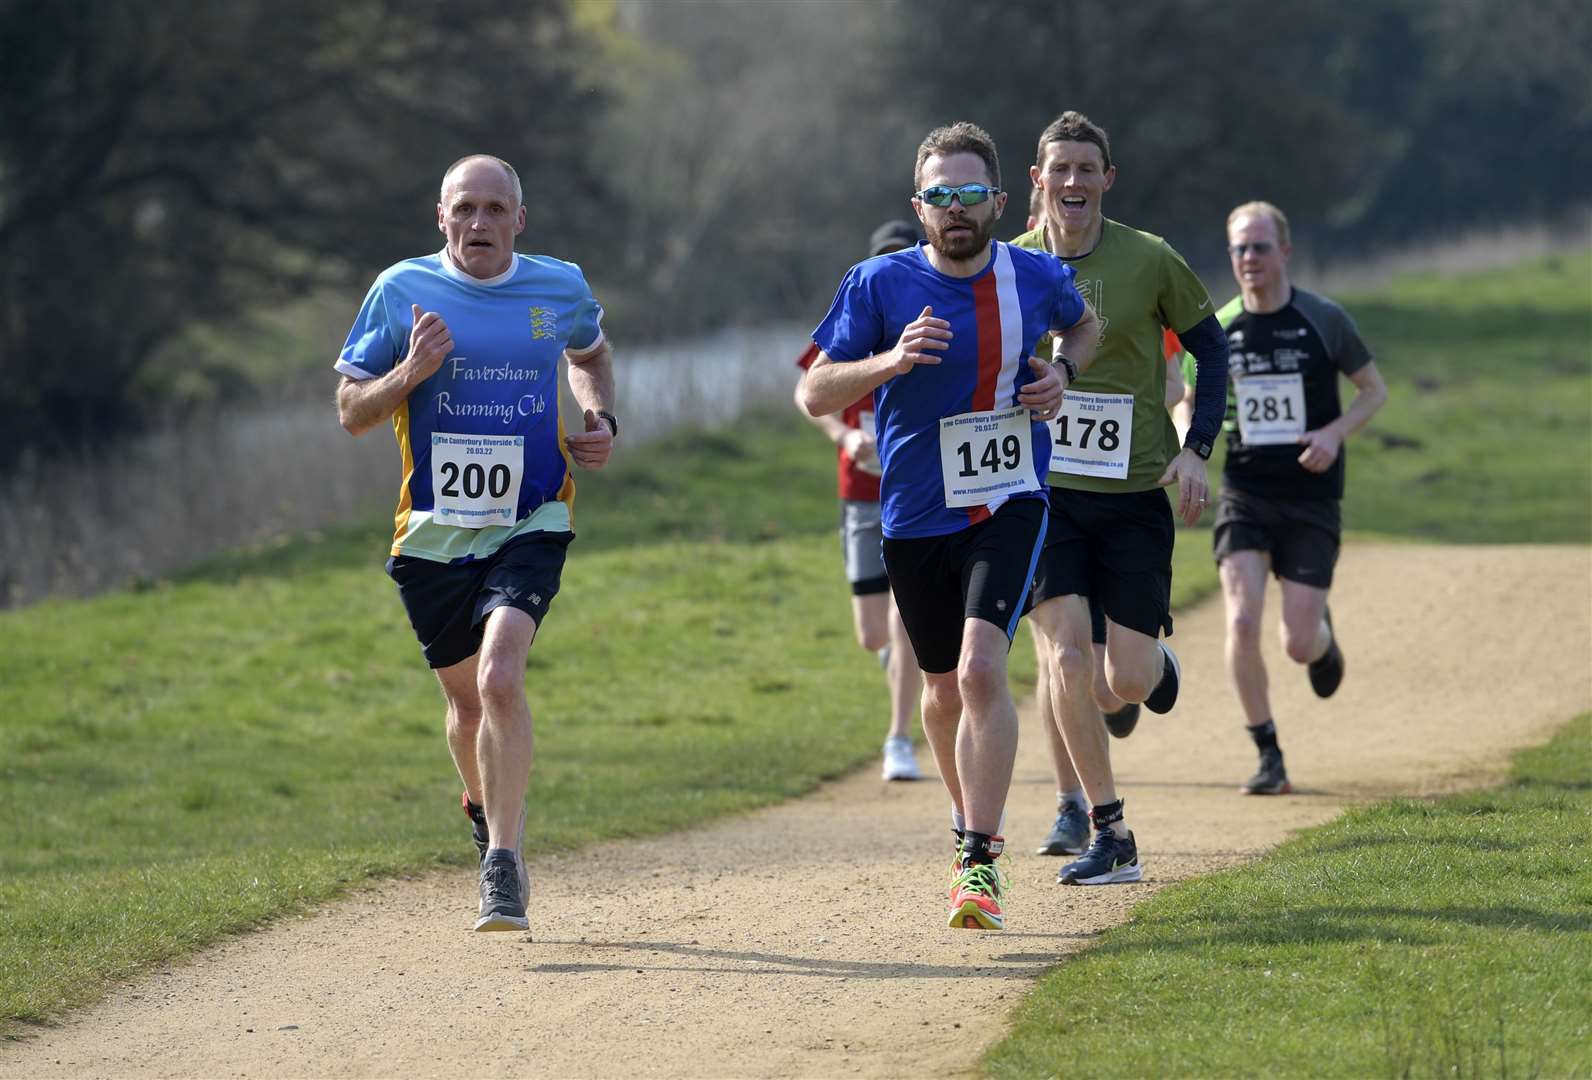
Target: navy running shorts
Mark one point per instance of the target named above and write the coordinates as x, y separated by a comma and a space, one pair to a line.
980, 572
448, 602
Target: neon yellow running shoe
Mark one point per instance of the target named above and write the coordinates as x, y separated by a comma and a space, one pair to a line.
976, 894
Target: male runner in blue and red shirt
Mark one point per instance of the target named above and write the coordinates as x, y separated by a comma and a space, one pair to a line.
943, 335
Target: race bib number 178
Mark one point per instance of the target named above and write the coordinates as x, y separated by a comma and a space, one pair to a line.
475, 479
1092, 435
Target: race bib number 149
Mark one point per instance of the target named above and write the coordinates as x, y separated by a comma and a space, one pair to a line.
475, 479
985, 456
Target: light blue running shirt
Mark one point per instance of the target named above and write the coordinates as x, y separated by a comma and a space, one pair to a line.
481, 439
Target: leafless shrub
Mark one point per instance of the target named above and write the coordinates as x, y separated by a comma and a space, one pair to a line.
157, 504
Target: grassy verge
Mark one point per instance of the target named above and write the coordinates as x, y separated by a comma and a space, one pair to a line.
1405, 939
1487, 433
189, 759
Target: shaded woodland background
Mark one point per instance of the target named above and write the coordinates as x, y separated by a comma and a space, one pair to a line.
174, 174
195, 195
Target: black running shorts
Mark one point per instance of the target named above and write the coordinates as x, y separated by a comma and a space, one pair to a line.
1115, 549
1301, 535
448, 603
980, 572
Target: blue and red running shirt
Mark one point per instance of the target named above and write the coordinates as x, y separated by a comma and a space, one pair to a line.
997, 317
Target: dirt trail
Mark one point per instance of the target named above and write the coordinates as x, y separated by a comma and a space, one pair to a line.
808, 940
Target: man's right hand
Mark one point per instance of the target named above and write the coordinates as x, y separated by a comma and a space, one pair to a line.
430, 342
921, 341
862, 450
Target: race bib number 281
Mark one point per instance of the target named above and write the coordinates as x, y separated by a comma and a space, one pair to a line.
1271, 409
475, 479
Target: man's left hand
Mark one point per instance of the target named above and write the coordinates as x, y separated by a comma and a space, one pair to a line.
591, 448
1187, 471
1321, 448
1043, 395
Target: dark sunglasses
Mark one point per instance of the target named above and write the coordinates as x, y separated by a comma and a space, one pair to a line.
1259, 247
967, 194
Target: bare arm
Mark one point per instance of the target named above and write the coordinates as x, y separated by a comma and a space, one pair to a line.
1183, 412
1322, 446
364, 403
1370, 395
829, 387
829, 423
1174, 382
591, 377
591, 382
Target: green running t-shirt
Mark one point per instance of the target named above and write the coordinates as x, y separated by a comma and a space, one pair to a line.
1138, 285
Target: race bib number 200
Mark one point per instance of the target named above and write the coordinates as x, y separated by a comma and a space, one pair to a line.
985, 456
475, 479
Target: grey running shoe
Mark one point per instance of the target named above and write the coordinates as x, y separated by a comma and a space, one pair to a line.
483, 840
502, 904
1122, 722
1070, 834
1164, 696
1270, 779
1327, 672
1108, 861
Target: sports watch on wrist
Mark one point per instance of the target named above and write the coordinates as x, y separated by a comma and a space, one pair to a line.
1200, 447
613, 422
1069, 367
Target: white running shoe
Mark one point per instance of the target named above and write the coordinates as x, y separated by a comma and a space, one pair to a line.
899, 761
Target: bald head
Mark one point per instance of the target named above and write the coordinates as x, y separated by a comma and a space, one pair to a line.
481, 172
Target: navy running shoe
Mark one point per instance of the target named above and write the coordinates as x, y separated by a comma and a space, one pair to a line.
1107, 862
1327, 672
1122, 722
1164, 696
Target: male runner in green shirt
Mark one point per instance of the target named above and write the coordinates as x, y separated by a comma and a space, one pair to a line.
1111, 532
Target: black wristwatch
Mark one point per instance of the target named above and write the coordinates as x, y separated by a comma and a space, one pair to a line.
1068, 366
1200, 447
613, 422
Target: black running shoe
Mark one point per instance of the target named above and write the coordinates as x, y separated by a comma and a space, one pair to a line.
502, 905
1164, 696
478, 831
1327, 673
1122, 722
1270, 779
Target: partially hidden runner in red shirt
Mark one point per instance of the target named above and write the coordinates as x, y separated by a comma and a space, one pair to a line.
873, 610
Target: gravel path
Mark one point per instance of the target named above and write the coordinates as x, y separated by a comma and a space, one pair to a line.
808, 939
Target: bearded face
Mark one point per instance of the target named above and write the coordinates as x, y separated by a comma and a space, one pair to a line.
957, 232
960, 233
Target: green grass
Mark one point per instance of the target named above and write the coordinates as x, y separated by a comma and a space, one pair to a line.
1447, 938
187, 759
1487, 433
190, 758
